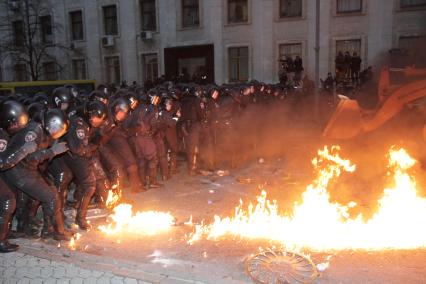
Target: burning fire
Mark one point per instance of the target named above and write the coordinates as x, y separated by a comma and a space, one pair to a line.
319, 224
113, 198
139, 223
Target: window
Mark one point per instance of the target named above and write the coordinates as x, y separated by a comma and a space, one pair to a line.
349, 6
110, 20
148, 15
190, 13
113, 70
412, 3
76, 20
237, 11
18, 33
20, 72
353, 45
238, 64
46, 29
290, 50
290, 8
150, 67
49, 71
79, 69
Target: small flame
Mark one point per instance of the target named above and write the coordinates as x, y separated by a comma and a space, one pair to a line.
123, 220
73, 241
113, 198
319, 224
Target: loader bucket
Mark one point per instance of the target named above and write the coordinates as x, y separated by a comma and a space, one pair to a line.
346, 121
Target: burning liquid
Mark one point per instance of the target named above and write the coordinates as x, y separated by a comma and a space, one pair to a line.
318, 224
139, 223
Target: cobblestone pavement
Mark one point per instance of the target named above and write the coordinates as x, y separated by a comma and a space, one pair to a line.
23, 268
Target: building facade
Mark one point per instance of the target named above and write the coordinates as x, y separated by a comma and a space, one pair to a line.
227, 40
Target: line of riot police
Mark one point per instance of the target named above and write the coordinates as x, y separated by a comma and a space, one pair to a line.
108, 141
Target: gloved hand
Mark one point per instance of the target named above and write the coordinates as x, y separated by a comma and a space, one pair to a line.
59, 148
30, 147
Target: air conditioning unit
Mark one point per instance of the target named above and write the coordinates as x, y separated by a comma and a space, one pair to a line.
107, 41
146, 35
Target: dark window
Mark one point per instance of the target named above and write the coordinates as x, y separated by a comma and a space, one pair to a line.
113, 69
349, 6
351, 46
237, 11
110, 20
20, 72
148, 15
18, 33
49, 71
76, 19
413, 3
150, 67
46, 29
79, 69
190, 13
238, 64
290, 8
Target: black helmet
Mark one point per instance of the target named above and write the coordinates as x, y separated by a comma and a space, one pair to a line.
41, 98
34, 111
55, 123
98, 96
133, 100
95, 113
120, 108
61, 98
13, 116
73, 91
103, 88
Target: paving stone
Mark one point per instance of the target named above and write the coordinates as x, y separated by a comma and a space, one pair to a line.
76, 280
72, 271
44, 262
130, 281
46, 272
84, 273
104, 280
63, 281
34, 272
143, 282
21, 262
9, 272
59, 272
24, 281
36, 281
90, 280
10, 280
97, 274
116, 280
49, 281
22, 272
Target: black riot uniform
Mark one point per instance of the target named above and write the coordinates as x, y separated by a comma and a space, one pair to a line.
81, 151
158, 128
170, 116
190, 128
140, 125
117, 113
121, 144
25, 175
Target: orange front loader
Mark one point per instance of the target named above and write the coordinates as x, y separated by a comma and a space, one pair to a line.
349, 120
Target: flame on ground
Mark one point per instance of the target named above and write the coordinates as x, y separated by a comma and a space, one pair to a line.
123, 220
113, 198
318, 224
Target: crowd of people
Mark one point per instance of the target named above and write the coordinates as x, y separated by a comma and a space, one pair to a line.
125, 139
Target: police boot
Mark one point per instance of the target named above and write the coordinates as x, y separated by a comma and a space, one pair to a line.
5, 246
153, 183
60, 233
135, 182
48, 229
80, 219
5, 218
